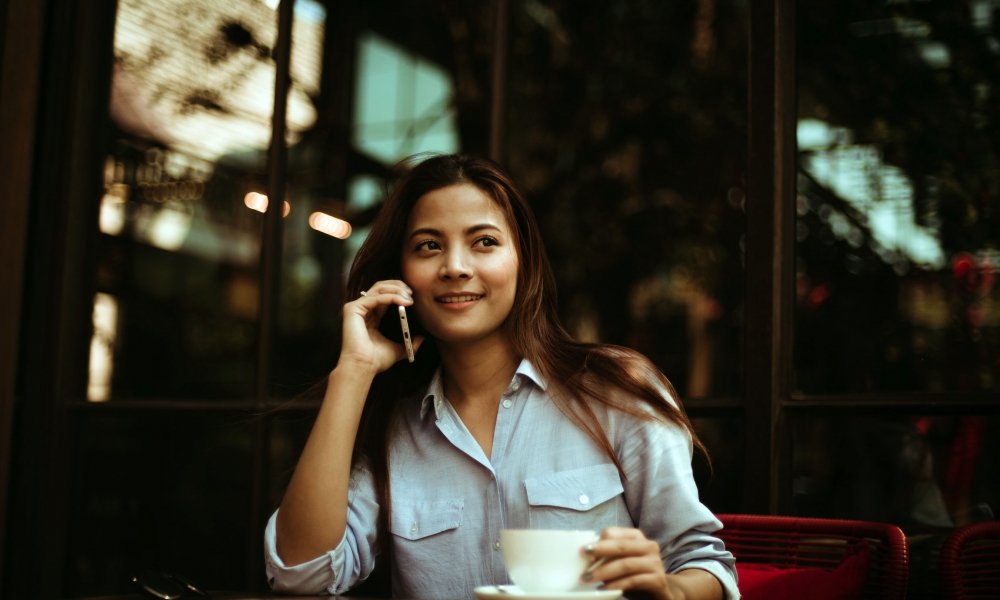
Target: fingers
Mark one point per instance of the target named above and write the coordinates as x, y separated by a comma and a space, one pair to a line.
391, 286
652, 582
362, 341
621, 541
618, 569
418, 341
614, 533
377, 298
401, 349
378, 301
624, 559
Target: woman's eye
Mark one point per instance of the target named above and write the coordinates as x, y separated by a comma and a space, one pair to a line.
427, 245
487, 241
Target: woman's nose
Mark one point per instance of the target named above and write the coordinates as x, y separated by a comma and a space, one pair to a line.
456, 266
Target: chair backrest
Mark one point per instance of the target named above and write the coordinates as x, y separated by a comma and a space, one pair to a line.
823, 543
970, 562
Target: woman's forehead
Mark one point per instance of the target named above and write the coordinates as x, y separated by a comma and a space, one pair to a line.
458, 207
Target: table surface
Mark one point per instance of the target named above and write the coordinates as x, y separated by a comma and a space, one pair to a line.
223, 596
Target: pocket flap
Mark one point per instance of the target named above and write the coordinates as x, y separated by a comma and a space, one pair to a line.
415, 519
578, 489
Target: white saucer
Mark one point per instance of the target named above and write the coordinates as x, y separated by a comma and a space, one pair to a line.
492, 592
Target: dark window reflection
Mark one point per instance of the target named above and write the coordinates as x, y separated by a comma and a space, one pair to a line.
395, 78
164, 492
929, 471
899, 174
927, 474
627, 126
720, 487
176, 310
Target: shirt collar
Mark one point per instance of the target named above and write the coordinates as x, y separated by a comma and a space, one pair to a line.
435, 391
528, 370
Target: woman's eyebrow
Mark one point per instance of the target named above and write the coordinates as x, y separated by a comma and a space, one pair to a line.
425, 231
468, 231
481, 227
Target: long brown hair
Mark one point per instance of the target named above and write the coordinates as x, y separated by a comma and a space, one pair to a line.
570, 368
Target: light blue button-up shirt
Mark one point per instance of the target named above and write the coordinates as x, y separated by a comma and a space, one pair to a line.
450, 500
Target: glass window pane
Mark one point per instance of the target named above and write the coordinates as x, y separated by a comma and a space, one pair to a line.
898, 232
177, 276
402, 102
395, 78
721, 486
933, 470
627, 126
162, 491
926, 474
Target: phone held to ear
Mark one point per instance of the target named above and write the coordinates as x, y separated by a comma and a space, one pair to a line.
407, 342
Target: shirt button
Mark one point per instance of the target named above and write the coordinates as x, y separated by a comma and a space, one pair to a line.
584, 499
413, 530
507, 404
496, 545
516, 386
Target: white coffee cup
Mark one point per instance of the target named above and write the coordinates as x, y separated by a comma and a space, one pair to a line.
545, 560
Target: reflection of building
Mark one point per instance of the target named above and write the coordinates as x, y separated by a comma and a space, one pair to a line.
403, 103
199, 77
192, 115
881, 193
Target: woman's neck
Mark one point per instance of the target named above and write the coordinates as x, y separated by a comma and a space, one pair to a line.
477, 372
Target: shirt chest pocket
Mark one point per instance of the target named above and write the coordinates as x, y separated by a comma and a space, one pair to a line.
586, 498
416, 520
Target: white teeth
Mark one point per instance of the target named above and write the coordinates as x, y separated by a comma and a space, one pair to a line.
450, 299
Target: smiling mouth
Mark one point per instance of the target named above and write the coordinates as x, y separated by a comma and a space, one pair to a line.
465, 298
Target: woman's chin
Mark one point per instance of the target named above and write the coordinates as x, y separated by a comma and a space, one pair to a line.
448, 336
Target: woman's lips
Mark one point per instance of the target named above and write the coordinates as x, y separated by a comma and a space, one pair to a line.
458, 301
458, 298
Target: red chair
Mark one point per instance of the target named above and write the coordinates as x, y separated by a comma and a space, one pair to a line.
970, 562
797, 542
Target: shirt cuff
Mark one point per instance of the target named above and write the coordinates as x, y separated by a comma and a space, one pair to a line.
317, 576
725, 576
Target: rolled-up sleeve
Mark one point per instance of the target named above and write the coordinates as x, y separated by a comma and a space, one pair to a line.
663, 499
343, 567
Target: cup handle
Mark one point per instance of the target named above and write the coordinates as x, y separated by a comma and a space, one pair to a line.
596, 563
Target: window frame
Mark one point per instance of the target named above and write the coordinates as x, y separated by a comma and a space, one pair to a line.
67, 48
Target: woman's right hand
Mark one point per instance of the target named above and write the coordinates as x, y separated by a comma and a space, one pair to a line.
364, 346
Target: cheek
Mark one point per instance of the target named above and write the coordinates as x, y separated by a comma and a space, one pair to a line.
507, 276
414, 276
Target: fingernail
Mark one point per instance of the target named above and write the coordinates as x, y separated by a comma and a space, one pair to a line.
589, 548
587, 577
410, 298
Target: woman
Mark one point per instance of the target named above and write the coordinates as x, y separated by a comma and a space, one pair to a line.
502, 422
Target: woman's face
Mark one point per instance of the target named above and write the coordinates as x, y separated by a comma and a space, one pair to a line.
460, 258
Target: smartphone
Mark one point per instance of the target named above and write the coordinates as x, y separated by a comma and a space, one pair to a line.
407, 342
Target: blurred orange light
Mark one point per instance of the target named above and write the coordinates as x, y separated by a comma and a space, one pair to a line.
330, 225
258, 202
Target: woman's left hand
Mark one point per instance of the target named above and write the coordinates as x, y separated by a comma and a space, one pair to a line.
632, 562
